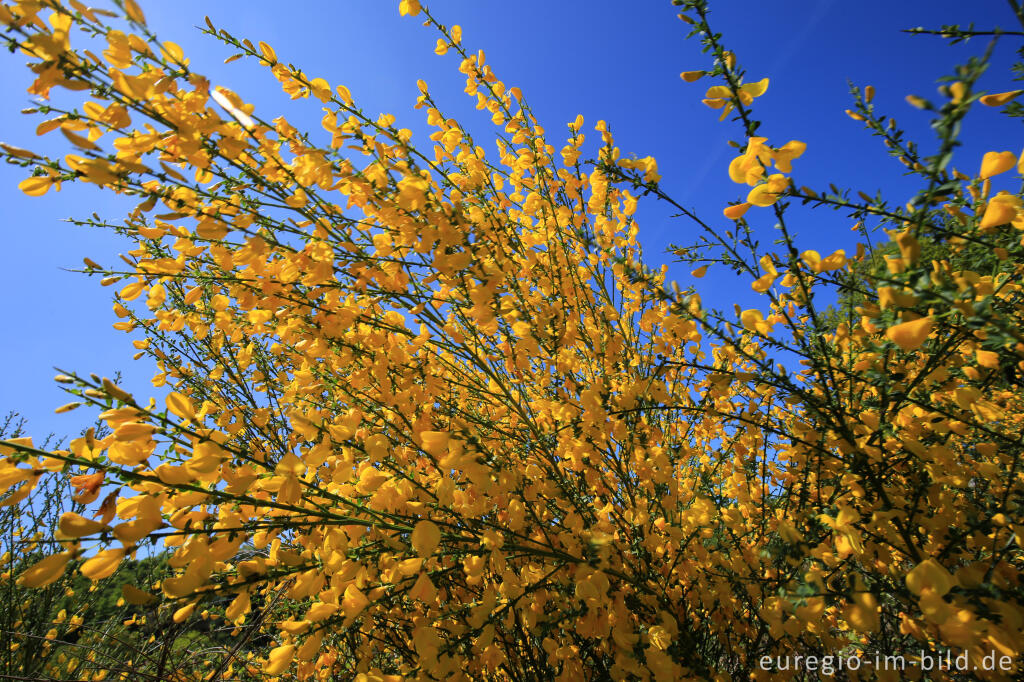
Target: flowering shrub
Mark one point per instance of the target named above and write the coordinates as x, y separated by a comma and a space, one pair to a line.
461, 430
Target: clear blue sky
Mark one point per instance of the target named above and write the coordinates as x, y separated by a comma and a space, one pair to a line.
606, 59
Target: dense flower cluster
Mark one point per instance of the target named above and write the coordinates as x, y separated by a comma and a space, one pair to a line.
432, 399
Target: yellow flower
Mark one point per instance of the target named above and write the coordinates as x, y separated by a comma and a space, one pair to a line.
784, 155
994, 163
134, 595
753, 320
103, 564
735, 212
410, 7
930, 574
279, 659
353, 601
74, 526
47, 570
425, 538
36, 186
1001, 209
762, 283
910, 335
749, 167
999, 99
722, 97
768, 192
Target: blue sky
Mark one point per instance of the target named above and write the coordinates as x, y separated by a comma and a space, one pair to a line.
605, 59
